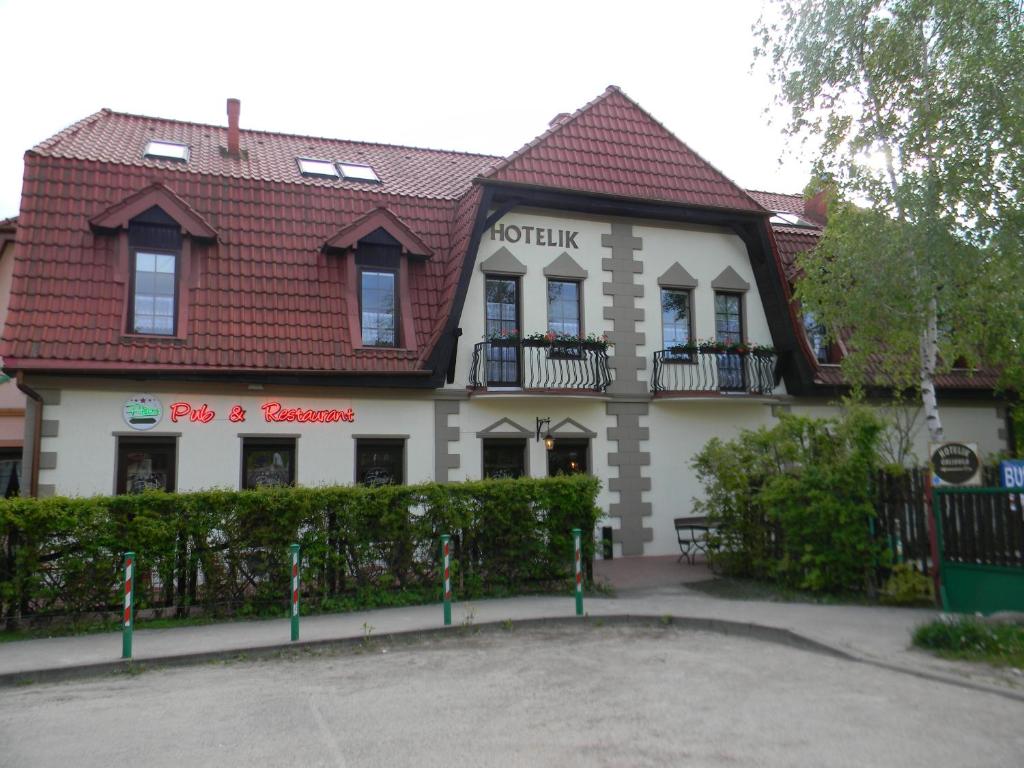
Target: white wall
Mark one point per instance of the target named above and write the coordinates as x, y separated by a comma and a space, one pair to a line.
704, 252
209, 455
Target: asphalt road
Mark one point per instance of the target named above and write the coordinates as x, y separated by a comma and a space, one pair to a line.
584, 695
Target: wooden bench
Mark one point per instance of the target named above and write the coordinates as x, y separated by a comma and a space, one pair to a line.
692, 533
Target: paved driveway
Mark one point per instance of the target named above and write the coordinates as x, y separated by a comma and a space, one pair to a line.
592, 694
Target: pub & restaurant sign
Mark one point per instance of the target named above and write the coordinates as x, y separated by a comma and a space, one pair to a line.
144, 412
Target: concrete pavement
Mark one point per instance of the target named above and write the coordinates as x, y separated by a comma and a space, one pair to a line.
652, 591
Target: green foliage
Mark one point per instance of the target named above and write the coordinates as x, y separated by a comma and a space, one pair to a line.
793, 503
915, 109
227, 551
967, 638
907, 586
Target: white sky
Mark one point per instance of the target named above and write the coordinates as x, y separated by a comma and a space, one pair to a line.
473, 76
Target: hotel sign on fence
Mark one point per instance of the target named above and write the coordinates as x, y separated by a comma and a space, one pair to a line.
955, 464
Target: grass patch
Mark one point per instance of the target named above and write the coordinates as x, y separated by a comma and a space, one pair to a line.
732, 588
967, 639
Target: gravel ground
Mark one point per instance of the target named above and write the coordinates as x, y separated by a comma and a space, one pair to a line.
617, 695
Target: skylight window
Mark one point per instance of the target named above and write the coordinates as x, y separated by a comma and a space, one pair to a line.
357, 172
786, 219
322, 168
166, 150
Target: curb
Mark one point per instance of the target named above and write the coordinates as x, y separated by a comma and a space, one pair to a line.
761, 632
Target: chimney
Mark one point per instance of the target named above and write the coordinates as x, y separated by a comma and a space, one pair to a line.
234, 108
561, 117
816, 208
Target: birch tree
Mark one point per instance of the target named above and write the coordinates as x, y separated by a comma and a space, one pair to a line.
914, 110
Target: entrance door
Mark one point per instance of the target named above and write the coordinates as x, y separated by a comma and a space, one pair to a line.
503, 365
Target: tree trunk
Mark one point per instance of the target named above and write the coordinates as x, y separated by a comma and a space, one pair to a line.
929, 355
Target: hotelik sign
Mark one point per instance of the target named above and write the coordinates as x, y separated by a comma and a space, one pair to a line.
955, 464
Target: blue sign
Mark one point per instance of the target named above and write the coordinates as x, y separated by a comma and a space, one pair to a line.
1011, 473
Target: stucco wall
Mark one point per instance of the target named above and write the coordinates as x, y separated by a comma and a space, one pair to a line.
209, 455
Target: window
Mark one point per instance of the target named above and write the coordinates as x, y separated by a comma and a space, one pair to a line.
817, 338
268, 461
502, 319
504, 457
10, 473
378, 308
729, 330
155, 289
564, 307
380, 461
146, 464
322, 168
166, 150
676, 322
356, 172
787, 219
568, 457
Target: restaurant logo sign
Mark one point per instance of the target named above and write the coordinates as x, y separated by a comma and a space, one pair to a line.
273, 412
142, 412
955, 464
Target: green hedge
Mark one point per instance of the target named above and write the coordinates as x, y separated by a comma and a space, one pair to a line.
794, 503
227, 550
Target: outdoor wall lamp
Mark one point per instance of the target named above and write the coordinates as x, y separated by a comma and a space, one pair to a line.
545, 424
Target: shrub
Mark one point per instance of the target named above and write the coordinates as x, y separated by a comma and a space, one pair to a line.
227, 550
792, 502
907, 586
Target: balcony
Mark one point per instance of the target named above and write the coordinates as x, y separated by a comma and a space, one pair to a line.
545, 366
685, 372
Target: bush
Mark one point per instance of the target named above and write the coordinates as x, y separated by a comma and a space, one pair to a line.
792, 503
227, 551
968, 638
907, 586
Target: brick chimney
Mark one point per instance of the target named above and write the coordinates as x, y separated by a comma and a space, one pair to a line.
816, 208
234, 108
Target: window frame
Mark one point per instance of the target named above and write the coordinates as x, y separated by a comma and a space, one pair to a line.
691, 338
125, 442
580, 333
488, 359
316, 174
147, 155
255, 442
133, 258
741, 313
397, 311
498, 440
362, 441
583, 442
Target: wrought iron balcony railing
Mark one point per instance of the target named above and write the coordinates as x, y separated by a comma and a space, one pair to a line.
527, 364
751, 373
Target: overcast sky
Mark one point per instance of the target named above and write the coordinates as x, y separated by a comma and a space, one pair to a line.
474, 76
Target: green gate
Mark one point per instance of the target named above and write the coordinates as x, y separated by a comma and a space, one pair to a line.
981, 548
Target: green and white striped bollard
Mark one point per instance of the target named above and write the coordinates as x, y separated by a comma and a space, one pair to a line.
295, 592
446, 554
129, 605
576, 533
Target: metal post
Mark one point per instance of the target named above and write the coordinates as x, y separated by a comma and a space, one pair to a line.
129, 605
576, 533
446, 554
295, 592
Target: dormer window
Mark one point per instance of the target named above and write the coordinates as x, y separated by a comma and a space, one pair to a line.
319, 168
166, 150
355, 172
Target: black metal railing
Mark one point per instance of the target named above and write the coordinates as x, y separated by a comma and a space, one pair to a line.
751, 373
547, 365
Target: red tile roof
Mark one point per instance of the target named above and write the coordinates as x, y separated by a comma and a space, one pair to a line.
612, 146
779, 201
114, 137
